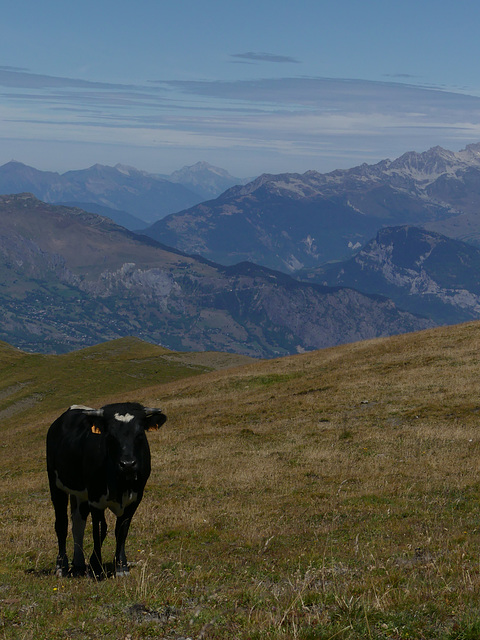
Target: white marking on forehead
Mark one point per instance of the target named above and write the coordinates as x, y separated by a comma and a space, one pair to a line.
124, 418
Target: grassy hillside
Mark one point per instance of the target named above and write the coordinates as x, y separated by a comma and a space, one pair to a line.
55, 382
328, 495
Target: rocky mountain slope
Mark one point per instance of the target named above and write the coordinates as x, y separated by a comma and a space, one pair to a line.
293, 221
422, 271
262, 223
70, 279
128, 196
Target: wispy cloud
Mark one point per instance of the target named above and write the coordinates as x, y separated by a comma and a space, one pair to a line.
13, 77
7, 68
402, 76
323, 95
295, 122
253, 56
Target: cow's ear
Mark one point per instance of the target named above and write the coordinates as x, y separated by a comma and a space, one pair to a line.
95, 419
154, 419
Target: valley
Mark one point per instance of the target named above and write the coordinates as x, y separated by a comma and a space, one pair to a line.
71, 279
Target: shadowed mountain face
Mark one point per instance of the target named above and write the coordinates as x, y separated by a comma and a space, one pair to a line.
420, 270
291, 221
71, 278
265, 226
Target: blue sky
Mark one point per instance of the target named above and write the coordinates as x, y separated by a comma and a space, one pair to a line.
249, 86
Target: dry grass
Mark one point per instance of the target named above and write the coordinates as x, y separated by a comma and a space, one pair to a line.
328, 495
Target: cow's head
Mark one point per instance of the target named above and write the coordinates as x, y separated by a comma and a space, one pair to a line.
123, 427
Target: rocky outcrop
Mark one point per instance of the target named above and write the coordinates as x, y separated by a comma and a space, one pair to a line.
420, 270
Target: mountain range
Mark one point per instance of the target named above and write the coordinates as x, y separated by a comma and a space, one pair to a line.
374, 250
70, 279
295, 221
130, 197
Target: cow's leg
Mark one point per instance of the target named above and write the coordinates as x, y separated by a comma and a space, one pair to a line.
60, 505
79, 519
99, 525
121, 531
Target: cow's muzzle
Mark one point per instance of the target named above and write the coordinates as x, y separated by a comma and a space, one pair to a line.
128, 468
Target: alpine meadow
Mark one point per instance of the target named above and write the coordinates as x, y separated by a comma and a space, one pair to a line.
331, 494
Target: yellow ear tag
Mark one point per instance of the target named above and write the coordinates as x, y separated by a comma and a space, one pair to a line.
95, 430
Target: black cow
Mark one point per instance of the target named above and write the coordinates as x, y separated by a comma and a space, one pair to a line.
101, 458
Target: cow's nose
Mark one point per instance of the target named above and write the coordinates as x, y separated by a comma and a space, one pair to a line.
128, 465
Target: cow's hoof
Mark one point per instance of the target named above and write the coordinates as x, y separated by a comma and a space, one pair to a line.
121, 571
79, 571
95, 571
